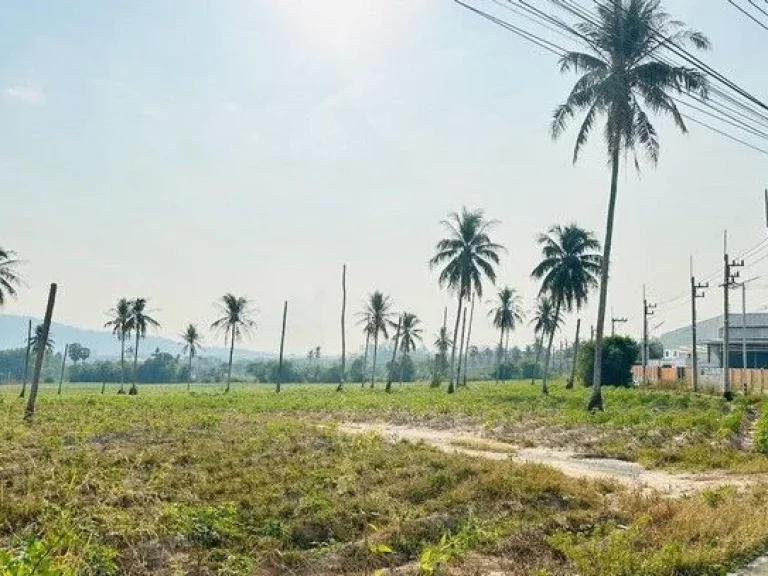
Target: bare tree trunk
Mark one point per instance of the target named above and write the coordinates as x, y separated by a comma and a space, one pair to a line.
365, 357
134, 390
539, 346
189, 371
575, 355
340, 387
282, 344
394, 355
544, 387
122, 364
461, 346
451, 382
30, 410
103, 386
596, 399
498, 354
375, 351
63, 364
231, 351
26, 360
469, 335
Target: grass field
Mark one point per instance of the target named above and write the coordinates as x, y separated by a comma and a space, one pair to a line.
171, 482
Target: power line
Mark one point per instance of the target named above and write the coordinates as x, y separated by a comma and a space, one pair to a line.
729, 136
748, 15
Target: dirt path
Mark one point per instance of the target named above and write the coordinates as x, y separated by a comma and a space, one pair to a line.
569, 462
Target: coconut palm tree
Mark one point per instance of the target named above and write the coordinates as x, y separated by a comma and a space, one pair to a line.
376, 317
505, 315
9, 277
192, 345
235, 322
569, 268
442, 343
140, 321
39, 341
619, 74
121, 324
410, 333
367, 330
544, 322
467, 256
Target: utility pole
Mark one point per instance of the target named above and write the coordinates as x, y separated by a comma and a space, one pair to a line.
695, 294
729, 281
648, 310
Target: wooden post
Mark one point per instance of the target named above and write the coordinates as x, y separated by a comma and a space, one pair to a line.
282, 344
30, 411
63, 364
394, 354
26, 360
340, 387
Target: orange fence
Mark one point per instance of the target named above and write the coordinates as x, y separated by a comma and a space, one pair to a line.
749, 381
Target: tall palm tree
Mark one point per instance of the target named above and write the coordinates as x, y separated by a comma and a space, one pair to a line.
9, 277
140, 321
121, 324
570, 266
39, 341
467, 256
620, 73
235, 322
506, 313
192, 345
410, 333
544, 322
367, 330
376, 317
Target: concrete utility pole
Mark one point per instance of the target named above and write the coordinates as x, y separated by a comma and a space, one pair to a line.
695, 294
615, 321
648, 310
729, 281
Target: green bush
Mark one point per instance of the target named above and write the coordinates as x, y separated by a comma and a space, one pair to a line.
619, 355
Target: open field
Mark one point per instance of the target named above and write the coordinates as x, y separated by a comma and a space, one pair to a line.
255, 483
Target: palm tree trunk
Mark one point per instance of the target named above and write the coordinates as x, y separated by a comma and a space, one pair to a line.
231, 351
506, 348
544, 388
403, 356
122, 364
134, 390
394, 355
103, 386
340, 387
572, 379
498, 354
30, 409
469, 336
365, 357
461, 346
596, 399
63, 365
539, 346
189, 372
282, 344
375, 351
26, 360
451, 382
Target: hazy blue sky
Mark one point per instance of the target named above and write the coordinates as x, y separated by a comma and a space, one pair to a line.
179, 149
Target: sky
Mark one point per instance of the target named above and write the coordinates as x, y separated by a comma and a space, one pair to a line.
181, 149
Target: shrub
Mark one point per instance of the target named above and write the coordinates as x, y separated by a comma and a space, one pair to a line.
619, 355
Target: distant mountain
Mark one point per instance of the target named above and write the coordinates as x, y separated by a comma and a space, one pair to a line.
13, 332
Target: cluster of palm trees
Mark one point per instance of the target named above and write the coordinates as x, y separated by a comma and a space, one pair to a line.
619, 73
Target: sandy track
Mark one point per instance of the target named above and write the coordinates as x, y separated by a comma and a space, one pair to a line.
569, 462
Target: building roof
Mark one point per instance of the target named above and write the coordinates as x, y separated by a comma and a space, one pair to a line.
711, 330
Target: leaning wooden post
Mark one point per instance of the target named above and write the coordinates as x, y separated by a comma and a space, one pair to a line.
282, 344
63, 364
26, 360
394, 356
340, 387
30, 411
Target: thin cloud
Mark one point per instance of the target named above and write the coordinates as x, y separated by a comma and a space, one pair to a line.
26, 91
